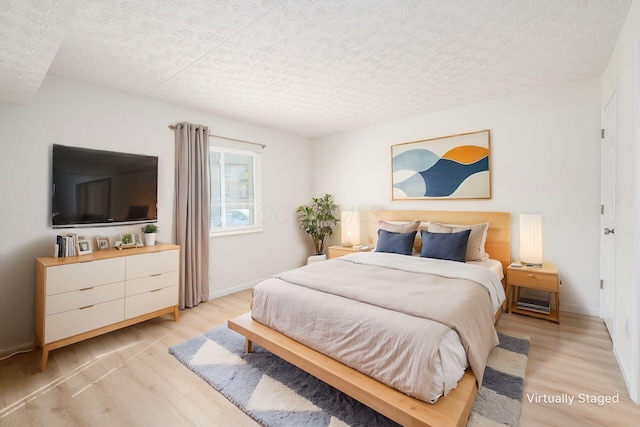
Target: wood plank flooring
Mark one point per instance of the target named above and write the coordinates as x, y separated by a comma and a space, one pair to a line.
128, 378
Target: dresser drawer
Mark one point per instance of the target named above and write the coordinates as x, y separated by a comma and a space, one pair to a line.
533, 279
73, 322
152, 263
81, 275
151, 283
82, 298
147, 302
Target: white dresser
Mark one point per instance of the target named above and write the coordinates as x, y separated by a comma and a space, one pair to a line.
80, 297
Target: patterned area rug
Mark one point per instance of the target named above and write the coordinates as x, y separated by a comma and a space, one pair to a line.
277, 394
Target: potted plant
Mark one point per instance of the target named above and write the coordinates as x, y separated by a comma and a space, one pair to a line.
317, 220
150, 231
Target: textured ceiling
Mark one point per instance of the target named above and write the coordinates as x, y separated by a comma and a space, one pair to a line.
307, 67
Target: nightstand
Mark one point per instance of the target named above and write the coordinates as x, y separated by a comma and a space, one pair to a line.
544, 278
338, 251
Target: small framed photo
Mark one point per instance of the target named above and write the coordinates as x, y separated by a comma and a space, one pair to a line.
127, 239
84, 247
102, 242
137, 238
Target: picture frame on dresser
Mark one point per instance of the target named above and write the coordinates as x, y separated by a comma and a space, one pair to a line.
102, 242
84, 247
126, 239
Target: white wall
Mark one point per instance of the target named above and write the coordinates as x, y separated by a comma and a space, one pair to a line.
623, 76
545, 157
71, 113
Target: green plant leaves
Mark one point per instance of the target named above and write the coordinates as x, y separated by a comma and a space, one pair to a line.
317, 220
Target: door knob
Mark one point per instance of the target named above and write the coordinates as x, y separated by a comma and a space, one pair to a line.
608, 231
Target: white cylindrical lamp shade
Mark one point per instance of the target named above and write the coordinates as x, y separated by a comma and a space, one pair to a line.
350, 227
531, 239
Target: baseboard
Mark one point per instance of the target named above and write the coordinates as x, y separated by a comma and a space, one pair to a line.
578, 309
234, 289
623, 372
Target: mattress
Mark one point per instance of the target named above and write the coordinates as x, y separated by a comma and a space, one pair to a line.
420, 357
493, 265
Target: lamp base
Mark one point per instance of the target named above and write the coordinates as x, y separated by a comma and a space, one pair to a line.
346, 244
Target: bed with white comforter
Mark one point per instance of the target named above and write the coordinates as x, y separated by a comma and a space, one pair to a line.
412, 323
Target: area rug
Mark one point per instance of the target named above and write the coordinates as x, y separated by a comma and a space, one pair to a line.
277, 394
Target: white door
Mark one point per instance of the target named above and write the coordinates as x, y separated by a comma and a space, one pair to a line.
608, 217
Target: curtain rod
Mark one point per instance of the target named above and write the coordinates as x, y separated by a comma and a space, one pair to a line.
230, 139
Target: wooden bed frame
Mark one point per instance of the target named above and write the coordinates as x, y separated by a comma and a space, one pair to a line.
452, 410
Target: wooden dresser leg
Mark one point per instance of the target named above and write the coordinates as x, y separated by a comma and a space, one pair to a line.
248, 345
45, 356
175, 313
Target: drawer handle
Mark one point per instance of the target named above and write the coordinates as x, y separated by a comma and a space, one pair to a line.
88, 306
86, 289
157, 290
530, 274
157, 274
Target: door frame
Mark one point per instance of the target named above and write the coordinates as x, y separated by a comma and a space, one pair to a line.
634, 389
613, 97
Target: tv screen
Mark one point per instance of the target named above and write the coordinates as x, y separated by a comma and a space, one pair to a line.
96, 187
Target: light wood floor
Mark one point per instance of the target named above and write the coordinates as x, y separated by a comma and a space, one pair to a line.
128, 378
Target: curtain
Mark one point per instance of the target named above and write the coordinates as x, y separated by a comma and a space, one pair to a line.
192, 212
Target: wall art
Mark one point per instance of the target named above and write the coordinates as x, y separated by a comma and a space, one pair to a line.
448, 167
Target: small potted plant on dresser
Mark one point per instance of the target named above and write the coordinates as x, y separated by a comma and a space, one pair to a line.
150, 231
317, 220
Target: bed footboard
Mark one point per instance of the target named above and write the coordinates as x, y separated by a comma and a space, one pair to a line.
452, 410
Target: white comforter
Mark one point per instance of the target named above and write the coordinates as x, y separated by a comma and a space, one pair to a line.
454, 270
370, 324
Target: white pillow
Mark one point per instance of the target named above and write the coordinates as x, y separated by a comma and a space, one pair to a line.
399, 227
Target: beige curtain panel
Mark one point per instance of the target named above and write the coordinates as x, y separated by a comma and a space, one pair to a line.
192, 212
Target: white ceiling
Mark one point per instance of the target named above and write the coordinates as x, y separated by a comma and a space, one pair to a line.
307, 67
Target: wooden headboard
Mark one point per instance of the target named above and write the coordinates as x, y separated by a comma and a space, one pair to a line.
498, 244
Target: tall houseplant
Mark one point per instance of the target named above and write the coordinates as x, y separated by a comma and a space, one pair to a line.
317, 220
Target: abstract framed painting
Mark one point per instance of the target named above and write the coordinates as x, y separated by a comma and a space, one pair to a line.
448, 167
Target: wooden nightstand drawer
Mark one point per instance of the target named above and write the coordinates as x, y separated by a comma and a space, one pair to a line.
338, 251
335, 252
529, 278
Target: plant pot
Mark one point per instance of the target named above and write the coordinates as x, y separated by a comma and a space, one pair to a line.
150, 239
316, 258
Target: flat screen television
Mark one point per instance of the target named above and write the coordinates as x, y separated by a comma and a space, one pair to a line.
96, 187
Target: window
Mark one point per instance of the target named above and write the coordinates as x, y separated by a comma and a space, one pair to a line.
235, 188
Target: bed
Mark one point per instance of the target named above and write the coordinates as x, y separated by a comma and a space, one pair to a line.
392, 353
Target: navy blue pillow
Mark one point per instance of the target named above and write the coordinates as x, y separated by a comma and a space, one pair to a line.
395, 243
449, 246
